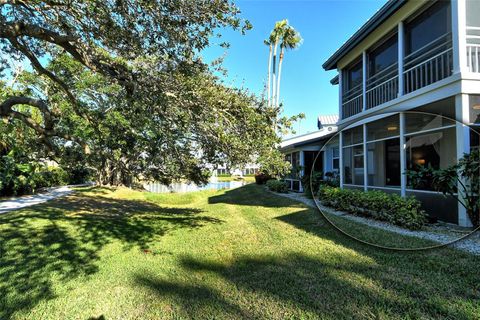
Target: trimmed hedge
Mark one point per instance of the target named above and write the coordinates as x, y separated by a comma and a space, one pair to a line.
404, 212
277, 186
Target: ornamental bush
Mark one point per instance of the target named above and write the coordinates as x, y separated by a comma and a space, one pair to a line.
277, 186
404, 212
262, 178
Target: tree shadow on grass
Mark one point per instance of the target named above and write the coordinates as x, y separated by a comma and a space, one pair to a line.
61, 240
298, 285
252, 195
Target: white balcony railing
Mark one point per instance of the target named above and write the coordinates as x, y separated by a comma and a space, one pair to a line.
382, 87
431, 70
352, 106
425, 66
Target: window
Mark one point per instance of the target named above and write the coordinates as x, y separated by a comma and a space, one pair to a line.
436, 149
427, 27
384, 128
335, 158
353, 165
474, 109
353, 136
383, 163
434, 115
383, 57
353, 76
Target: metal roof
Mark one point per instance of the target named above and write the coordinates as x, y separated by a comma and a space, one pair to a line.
305, 141
329, 119
378, 18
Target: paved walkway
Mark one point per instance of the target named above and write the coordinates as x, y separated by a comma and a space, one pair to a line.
26, 201
439, 234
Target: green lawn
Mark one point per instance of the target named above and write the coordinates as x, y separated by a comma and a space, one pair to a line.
230, 178
243, 253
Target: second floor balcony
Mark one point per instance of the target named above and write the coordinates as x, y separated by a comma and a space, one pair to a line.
415, 54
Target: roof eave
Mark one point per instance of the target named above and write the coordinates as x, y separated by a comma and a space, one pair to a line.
378, 18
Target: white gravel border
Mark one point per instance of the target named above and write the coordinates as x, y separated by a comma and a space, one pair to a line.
434, 233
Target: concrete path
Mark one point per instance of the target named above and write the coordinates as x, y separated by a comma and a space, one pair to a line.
26, 201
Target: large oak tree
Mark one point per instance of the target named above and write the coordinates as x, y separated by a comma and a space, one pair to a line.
122, 82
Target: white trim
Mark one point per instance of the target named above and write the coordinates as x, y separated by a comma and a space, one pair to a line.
353, 185
340, 94
401, 56
364, 80
385, 188
423, 191
353, 145
462, 113
459, 33
403, 156
383, 139
340, 150
365, 174
430, 130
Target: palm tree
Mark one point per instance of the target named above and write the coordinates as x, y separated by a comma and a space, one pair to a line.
269, 44
291, 39
275, 36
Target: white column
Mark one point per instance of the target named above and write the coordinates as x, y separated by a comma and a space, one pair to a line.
364, 80
459, 35
403, 156
340, 94
401, 55
365, 173
302, 166
462, 114
340, 150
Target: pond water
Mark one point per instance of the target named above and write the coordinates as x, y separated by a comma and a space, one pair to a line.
189, 187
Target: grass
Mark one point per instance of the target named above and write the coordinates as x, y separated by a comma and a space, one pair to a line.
242, 253
231, 178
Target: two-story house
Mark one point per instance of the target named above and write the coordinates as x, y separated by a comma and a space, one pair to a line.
403, 78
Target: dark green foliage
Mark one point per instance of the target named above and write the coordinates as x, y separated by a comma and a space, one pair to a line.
262, 178
315, 181
461, 181
279, 186
404, 212
332, 179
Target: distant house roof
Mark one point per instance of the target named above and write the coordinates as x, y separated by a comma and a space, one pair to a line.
316, 137
378, 18
325, 120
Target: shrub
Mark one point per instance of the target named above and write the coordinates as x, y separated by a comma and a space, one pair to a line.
332, 179
405, 212
277, 186
262, 178
316, 181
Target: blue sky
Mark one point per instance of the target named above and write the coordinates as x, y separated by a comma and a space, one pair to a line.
305, 87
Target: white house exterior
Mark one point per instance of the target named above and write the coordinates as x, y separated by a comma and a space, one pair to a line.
411, 56
302, 150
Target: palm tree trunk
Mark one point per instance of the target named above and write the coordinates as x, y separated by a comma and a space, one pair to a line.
269, 74
277, 104
274, 78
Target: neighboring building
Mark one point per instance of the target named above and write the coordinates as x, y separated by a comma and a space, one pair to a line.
301, 151
249, 169
421, 56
